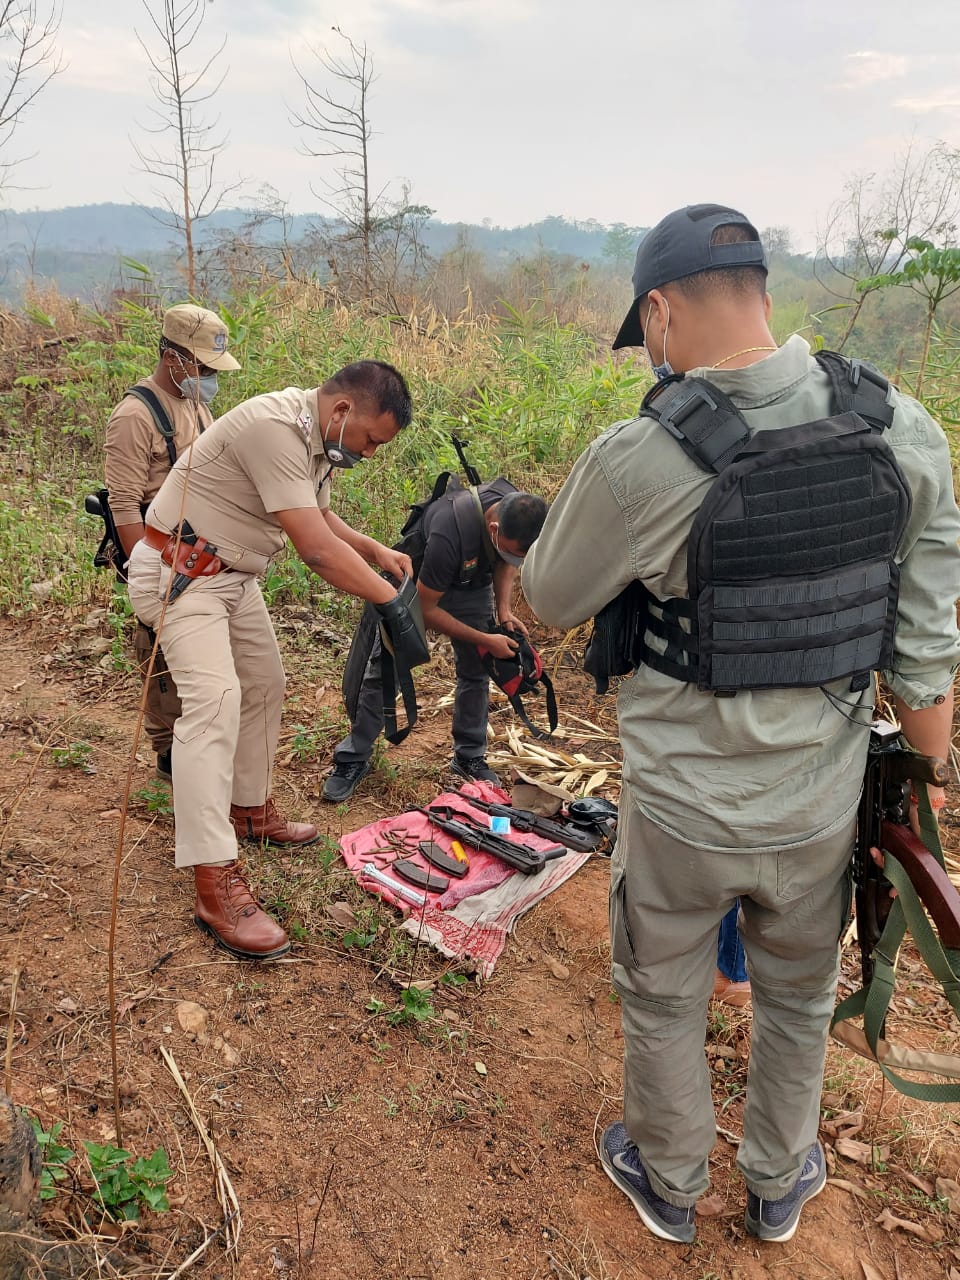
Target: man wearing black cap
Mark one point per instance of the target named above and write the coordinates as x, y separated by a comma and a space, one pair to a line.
744, 732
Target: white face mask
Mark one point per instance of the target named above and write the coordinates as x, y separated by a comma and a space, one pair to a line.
664, 370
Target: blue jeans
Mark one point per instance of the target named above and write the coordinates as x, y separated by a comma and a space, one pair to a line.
730, 948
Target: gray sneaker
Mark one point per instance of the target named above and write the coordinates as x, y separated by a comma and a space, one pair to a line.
344, 780
777, 1220
623, 1166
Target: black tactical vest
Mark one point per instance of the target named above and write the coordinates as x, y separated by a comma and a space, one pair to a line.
791, 564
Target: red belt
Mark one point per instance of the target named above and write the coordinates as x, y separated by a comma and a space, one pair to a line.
155, 538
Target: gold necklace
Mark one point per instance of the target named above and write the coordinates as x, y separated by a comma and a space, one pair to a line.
745, 352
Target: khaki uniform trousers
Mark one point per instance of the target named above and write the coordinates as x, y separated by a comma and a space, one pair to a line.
162, 708
222, 652
667, 899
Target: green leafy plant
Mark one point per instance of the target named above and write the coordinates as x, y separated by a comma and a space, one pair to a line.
156, 797
126, 1185
75, 756
415, 1006
359, 938
55, 1157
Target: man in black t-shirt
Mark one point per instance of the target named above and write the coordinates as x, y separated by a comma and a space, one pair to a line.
465, 586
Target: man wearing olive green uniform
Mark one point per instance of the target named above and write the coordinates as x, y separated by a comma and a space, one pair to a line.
260, 474
752, 796
193, 349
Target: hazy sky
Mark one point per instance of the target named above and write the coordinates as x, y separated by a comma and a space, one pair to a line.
619, 110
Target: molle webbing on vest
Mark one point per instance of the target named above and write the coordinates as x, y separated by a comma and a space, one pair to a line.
790, 564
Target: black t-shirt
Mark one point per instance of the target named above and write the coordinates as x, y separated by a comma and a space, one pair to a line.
455, 548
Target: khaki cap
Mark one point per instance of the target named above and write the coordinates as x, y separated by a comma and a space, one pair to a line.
200, 332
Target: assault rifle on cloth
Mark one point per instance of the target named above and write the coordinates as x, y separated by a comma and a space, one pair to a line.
925, 893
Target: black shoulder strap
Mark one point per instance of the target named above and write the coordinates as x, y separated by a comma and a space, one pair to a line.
160, 420
858, 388
489, 549
706, 424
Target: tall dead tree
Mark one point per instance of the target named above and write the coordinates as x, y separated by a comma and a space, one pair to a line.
29, 59
374, 239
186, 157
869, 228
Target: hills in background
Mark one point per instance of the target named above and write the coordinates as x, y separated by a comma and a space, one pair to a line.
80, 248
566, 265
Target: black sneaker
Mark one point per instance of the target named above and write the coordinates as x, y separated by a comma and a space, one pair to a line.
623, 1166
475, 768
344, 780
777, 1220
165, 765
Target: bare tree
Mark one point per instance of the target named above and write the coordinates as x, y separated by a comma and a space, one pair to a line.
30, 59
374, 237
869, 228
186, 158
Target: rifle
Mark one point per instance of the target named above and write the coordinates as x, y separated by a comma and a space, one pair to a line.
923, 888
110, 553
465, 829
566, 833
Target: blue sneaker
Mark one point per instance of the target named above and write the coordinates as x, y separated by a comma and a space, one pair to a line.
777, 1220
623, 1166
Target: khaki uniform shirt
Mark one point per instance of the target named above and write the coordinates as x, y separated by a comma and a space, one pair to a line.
263, 456
137, 460
768, 768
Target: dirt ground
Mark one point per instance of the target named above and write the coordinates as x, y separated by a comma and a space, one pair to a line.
462, 1148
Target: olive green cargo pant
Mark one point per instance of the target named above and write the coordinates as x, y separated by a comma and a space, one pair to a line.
667, 899
221, 649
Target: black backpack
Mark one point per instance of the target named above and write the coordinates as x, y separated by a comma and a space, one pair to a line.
520, 674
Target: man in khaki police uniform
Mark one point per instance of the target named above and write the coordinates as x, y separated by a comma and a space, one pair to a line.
193, 350
752, 796
259, 474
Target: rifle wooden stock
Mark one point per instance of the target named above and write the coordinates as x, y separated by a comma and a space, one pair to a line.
934, 887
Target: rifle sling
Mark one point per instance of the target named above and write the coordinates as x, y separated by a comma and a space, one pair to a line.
906, 912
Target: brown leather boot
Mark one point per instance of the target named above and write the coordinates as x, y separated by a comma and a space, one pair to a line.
736, 994
262, 824
228, 911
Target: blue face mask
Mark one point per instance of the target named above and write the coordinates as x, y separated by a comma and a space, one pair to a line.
664, 370
202, 389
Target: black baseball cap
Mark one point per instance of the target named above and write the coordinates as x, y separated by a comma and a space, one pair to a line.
679, 246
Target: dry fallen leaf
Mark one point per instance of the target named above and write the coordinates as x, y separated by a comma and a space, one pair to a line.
342, 914
480, 1069
192, 1017
845, 1124
922, 1184
862, 1152
890, 1222
849, 1186
711, 1206
66, 1005
870, 1272
948, 1189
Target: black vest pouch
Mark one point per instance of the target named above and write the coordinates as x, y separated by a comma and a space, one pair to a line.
612, 649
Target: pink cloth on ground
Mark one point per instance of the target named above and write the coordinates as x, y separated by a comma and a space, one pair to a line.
473, 917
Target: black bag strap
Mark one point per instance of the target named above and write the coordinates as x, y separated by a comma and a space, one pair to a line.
160, 419
857, 387
389, 679
553, 718
705, 423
